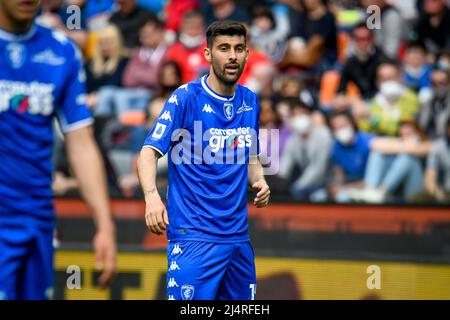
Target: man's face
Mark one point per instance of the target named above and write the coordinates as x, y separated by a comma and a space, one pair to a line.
415, 57
126, 6
340, 122
363, 39
227, 56
20, 10
434, 6
193, 26
388, 73
150, 35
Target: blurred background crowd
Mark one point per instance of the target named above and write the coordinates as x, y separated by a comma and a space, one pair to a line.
360, 95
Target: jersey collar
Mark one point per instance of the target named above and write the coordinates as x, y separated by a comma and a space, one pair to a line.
214, 94
9, 36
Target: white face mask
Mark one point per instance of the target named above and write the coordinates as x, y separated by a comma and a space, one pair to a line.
191, 42
344, 135
392, 90
301, 124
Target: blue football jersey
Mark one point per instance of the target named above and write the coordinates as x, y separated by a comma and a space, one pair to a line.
41, 76
210, 139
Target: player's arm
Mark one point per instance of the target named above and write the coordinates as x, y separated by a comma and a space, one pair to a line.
87, 165
258, 182
155, 212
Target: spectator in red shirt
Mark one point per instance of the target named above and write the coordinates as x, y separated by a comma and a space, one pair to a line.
187, 52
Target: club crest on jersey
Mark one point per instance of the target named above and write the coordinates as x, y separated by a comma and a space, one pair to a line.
187, 292
16, 54
228, 110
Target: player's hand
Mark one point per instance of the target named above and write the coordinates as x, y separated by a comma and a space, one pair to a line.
105, 255
155, 213
263, 195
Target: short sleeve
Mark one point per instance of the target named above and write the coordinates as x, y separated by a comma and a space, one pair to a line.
72, 111
171, 118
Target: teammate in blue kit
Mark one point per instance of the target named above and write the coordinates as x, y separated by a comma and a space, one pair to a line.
41, 77
209, 127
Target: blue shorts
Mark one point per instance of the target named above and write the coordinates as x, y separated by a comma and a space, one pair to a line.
210, 271
26, 263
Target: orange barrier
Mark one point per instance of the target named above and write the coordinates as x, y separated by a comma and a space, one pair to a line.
301, 217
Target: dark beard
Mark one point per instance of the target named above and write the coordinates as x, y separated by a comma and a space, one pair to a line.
220, 74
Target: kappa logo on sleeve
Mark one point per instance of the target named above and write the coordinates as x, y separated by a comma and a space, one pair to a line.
173, 99
166, 116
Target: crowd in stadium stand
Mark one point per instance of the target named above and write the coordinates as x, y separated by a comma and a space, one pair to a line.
361, 101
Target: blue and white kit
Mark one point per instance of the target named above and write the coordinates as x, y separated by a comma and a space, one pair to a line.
210, 139
41, 77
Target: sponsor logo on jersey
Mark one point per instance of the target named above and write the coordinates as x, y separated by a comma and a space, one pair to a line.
21, 97
234, 138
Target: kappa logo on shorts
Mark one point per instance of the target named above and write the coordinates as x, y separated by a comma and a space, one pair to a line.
176, 249
174, 266
187, 292
172, 283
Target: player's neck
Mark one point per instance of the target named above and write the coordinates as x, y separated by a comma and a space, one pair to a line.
9, 25
219, 86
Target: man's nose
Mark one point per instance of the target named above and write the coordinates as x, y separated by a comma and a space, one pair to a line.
233, 55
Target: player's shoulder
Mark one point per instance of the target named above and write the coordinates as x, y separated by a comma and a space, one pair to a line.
185, 91
247, 93
57, 41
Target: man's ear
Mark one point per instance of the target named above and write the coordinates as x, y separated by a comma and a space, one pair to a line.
207, 54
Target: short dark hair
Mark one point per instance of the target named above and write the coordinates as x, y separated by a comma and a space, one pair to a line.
361, 25
225, 28
345, 114
153, 20
194, 13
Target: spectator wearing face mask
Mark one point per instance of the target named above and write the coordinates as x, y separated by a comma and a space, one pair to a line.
188, 50
434, 115
443, 62
437, 175
393, 103
349, 154
394, 168
305, 159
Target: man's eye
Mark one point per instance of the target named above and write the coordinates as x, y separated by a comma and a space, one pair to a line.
223, 48
240, 49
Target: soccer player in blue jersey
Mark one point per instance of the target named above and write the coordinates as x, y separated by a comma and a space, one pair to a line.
41, 77
209, 127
